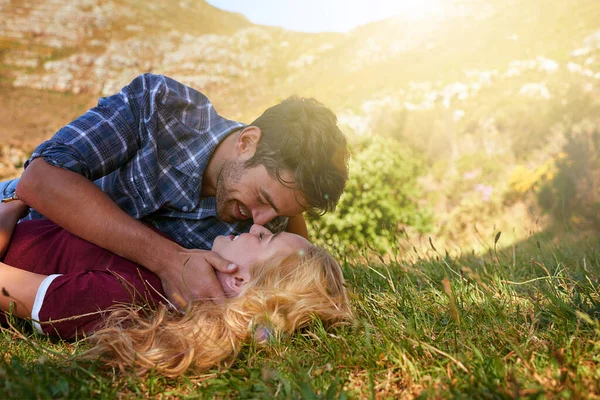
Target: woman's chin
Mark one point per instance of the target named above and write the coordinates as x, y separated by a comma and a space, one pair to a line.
217, 243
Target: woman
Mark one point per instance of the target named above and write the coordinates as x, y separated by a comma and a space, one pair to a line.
282, 283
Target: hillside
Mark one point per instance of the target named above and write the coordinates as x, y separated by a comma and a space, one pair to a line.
97, 46
487, 88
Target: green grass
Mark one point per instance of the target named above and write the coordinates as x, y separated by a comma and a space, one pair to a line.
522, 323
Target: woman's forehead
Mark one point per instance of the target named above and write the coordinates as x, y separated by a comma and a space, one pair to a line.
290, 240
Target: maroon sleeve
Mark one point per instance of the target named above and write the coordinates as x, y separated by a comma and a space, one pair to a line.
73, 304
92, 278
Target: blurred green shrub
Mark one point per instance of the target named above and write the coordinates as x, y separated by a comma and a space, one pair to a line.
572, 196
381, 198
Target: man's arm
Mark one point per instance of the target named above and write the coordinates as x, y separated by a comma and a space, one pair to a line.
297, 225
79, 206
106, 139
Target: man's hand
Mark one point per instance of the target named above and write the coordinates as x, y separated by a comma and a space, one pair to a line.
194, 278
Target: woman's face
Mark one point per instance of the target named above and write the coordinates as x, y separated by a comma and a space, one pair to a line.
251, 248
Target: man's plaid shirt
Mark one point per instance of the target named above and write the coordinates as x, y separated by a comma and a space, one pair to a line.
147, 147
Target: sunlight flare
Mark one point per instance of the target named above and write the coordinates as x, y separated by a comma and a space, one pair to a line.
416, 9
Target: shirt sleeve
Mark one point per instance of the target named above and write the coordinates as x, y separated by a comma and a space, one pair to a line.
107, 136
72, 305
39, 301
7, 188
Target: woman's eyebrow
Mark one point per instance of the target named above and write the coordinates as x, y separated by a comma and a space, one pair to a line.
273, 237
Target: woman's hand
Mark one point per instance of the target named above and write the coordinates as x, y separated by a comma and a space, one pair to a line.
18, 287
10, 214
13, 207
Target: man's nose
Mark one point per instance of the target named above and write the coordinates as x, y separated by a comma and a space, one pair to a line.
262, 216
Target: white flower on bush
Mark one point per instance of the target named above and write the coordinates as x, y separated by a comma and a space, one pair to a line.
546, 64
458, 115
574, 68
535, 90
581, 52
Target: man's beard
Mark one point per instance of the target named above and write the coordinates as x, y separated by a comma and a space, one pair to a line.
229, 175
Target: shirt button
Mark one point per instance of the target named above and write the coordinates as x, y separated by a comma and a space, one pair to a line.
185, 208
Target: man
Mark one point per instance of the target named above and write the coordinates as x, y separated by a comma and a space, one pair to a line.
158, 153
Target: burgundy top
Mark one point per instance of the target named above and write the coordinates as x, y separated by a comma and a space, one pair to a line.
82, 278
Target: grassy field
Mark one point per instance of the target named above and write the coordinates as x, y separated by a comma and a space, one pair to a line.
522, 321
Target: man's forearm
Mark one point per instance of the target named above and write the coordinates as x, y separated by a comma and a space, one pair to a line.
297, 225
79, 206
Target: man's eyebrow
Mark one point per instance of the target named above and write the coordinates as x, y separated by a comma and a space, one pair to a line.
269, 199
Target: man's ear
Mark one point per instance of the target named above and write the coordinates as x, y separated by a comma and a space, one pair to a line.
247, 141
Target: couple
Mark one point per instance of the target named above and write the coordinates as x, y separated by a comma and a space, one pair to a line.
153, 177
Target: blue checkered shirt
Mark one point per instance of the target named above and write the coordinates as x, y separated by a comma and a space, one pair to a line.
147, 147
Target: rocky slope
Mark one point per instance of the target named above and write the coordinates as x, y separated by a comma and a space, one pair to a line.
97, 46
58, 56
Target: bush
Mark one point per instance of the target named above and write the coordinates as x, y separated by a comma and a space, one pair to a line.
380, 197
572, 196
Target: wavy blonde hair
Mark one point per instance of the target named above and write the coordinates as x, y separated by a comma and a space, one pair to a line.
284, 294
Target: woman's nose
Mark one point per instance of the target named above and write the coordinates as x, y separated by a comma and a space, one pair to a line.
256, 229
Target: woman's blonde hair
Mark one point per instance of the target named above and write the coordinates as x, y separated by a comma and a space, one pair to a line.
283, 295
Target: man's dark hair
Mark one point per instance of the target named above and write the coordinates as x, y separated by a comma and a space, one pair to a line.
301, 136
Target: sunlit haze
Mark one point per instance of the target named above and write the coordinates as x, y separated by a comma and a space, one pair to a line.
327, 16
